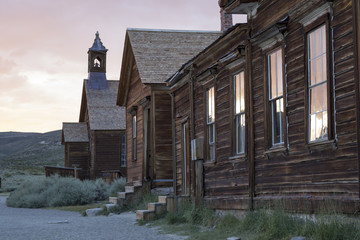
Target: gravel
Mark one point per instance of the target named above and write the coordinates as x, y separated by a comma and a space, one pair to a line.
28, 224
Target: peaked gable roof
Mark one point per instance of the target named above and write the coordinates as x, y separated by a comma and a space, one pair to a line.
159, 53
74, 132
101, 107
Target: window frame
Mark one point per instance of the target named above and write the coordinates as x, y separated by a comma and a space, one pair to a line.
134, 137
209, 125
123, 150
322, 21
269, 143
235, 115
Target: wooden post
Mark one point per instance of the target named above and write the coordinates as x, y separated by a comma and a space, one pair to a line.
356, 37
76, 174
251, 139
173, 140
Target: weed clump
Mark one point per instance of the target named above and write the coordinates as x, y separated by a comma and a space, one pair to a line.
190, 213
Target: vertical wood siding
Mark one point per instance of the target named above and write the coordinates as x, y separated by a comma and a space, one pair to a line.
136, 92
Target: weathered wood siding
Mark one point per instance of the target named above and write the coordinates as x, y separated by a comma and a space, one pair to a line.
162, 139
182, 106
77, 153
136, 92
303, 171
107, 152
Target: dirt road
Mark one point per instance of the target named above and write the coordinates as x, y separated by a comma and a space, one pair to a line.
28, 224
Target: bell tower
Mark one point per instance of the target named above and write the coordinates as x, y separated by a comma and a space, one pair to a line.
97, 65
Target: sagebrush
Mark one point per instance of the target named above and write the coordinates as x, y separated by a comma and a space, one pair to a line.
58, 191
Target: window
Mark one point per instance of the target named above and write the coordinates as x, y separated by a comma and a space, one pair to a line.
134, 136
210, 121
317, 84
239, 112
276, 97
123, 150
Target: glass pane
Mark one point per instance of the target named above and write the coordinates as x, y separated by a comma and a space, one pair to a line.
318, 77
312, 72
212, 152
325, 125
134, 126
242, 93
279, 73
237, 93
319, 125
273, 75
240, 133
277, 125
318, 98
311, 44
312, 100
324, 68
318, 48
210, 105
312, 127
323, 39
324, 97
211, 133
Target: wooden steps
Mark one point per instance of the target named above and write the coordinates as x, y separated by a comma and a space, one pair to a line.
154, 209
131, 195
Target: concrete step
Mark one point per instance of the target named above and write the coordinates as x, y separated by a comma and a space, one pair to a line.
157, 207
137, 183
146, 215
162, 199
129, 189
125, 195
113, 200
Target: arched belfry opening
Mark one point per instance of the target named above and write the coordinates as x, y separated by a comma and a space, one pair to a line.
97, 62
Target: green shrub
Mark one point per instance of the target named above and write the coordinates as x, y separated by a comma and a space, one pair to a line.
116, 186
58, 191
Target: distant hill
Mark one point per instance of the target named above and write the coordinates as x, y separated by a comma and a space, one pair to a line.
29, 152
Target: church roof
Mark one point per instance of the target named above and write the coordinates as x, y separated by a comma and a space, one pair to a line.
75, 132
97, 45
103, 112
160, 53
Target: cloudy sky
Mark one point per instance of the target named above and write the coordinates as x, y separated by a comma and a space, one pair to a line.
43, 50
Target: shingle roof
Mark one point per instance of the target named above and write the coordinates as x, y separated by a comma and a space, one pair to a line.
75, 132
160, 53
104, 114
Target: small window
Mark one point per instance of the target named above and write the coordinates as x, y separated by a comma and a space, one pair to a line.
239, 112
317, 85
276, 97
123, 150
134, 147
210, 121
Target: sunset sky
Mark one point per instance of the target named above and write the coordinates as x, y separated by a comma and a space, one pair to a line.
43, 50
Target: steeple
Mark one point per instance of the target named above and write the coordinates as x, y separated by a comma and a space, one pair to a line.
97, 65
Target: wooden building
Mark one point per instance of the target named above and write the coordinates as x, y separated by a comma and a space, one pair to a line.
76, 140
101, 118
149, 58
273, 106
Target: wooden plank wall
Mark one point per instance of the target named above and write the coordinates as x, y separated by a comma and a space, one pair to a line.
182, 114
302, 172
77, 153
108, 149
136, 92
162, 138
226, 180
